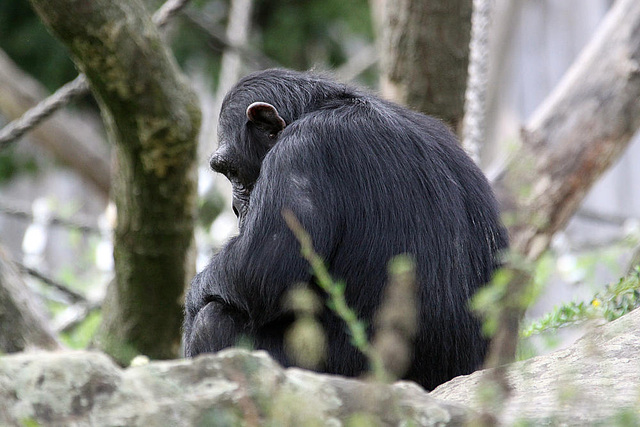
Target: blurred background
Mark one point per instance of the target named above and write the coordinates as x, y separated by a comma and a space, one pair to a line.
55, 217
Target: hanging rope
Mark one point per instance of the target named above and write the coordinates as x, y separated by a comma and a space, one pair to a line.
474, 125
34, 116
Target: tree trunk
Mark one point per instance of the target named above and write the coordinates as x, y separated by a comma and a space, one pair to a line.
425, 54
152, 118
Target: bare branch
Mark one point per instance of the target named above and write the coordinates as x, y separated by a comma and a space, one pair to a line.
22, 322
84, 225
605, 218
577, 133
167, 11
357, 64
70, 294
42, 111
217, 36
238, 34
79, 314
70, 139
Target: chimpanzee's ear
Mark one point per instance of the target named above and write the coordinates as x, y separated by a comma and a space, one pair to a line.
265, 116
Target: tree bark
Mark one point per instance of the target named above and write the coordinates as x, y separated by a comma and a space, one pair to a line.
425, 54
70, 139
152, 118
580, 130
22, 324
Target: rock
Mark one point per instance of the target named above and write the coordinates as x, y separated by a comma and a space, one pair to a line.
233, 387
595, 381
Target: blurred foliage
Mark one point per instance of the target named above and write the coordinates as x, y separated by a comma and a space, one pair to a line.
25, 39
488, 300
336, 301
12, 163
615, 300
298, 35
610, 303
29, 422
82, 335
305, 341
301, 35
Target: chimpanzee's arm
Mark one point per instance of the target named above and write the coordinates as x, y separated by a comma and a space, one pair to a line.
254, 270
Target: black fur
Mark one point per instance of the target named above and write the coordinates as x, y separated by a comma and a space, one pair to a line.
367, 179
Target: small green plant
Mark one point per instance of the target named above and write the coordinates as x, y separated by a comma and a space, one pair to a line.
609, 304
492, 298
337, 301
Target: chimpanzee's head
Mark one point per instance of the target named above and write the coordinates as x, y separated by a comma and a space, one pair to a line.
253, 115
241, 150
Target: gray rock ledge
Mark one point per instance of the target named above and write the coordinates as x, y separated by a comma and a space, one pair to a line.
231, 388
596, 381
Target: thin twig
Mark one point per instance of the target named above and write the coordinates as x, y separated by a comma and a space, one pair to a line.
217, 36
84, 311
72, 295
25, 214
167, 11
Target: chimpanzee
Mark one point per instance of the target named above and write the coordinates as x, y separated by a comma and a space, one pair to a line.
367, 179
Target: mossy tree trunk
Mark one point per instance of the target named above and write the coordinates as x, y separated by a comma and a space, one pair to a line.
152, 119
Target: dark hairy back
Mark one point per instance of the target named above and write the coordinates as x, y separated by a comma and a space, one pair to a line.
368, 179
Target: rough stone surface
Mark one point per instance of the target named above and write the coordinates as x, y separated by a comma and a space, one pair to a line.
595, 381
234, 387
